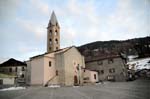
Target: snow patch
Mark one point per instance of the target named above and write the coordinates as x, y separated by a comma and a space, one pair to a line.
54, 86
139, 64
12, 88
76, 86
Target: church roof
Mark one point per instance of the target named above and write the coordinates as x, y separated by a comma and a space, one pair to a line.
53, 20
12, 62
56, 52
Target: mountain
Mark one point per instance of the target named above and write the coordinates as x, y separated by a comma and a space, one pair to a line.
136, 46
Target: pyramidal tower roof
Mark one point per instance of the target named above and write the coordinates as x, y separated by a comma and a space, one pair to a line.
53, 20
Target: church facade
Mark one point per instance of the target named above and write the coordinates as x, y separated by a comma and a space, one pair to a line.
65, 67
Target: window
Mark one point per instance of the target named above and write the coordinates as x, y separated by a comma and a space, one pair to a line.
22, 76
56, 32
110, 61
100, 62
16, 69
50, 41
50, 63
112, 70
50, 32
56, 72
56, 41
109, 70
84, 70
23, 68
94, 76
50, 48
10, 69
56, 48
102, 71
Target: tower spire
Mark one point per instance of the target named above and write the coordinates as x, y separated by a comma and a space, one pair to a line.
53, 34
53, 20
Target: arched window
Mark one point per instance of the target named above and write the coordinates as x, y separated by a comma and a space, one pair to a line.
50, 48
50, 41
56, 32
56, 41
22, 76
50, 32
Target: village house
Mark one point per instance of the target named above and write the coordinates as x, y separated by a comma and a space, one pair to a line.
12, 71
57, 66
111, 68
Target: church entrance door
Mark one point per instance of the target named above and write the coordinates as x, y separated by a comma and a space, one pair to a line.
75, 80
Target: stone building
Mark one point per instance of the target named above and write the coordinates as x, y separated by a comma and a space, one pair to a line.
63, 67
111, 68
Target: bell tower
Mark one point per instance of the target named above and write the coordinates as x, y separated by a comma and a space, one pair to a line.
53, 34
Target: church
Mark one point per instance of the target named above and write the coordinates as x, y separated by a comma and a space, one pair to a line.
64, 67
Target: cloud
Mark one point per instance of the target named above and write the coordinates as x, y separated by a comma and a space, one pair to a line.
88, 24
81, 22
126, 21
41, 6
8, 9
38, 29
81, 19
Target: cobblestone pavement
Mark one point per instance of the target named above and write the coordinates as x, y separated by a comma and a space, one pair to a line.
139, 89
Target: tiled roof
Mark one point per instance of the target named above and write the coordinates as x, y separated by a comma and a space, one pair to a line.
56, 52
87, 60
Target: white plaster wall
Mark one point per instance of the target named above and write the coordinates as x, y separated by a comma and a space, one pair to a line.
92, 79
50, 71
71, 59
37, 71
90, 74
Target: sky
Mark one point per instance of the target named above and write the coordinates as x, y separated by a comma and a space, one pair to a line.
23, 23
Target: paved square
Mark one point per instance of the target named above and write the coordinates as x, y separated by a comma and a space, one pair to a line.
139, 89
